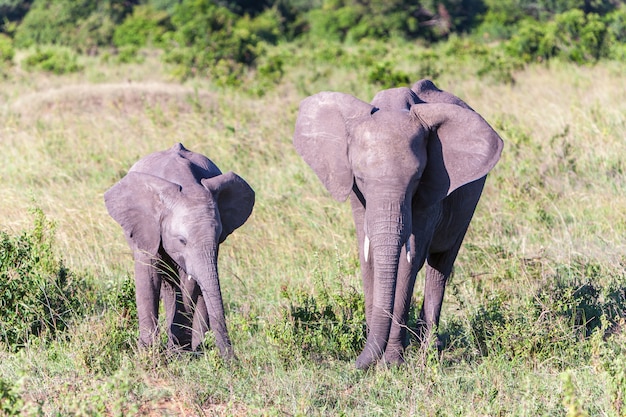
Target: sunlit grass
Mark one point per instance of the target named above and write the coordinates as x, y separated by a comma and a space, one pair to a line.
552, 211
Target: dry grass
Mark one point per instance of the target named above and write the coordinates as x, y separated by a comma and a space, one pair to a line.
557, 195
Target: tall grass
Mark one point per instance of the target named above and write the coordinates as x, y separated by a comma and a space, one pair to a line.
534, 313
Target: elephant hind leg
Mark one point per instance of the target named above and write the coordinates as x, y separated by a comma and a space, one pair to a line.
438, 270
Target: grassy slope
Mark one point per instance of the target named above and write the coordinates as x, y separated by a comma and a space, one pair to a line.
555, 202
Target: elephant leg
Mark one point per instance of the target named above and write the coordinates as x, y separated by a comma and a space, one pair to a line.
367, 270
398, 340
200, 321
147, 296
458, 210
423, 222
438, 271
185, 306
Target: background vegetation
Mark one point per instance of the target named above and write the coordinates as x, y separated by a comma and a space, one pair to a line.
535, 312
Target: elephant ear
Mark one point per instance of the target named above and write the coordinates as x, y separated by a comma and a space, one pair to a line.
428, 92
462, 148
235, 200
321, 137
137, 202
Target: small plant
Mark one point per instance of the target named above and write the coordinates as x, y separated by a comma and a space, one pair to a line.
10, 401
571, 402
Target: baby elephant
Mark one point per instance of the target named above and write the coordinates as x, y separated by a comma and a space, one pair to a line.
176, 207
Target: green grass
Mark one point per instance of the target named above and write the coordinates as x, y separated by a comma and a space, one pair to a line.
533, 316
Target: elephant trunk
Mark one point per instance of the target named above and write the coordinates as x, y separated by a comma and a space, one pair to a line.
386, 229
211, 293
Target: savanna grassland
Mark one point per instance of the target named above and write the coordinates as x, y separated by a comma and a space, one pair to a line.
533, 318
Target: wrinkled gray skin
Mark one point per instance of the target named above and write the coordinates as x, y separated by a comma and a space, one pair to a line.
176, 207
413, 163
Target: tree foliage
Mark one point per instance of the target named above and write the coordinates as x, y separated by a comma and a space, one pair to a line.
222, 38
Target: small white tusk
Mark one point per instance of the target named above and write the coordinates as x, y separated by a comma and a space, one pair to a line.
189, 277
366, 248
408, 251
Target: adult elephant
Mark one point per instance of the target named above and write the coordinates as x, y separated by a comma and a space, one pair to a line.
176, 207
413, 163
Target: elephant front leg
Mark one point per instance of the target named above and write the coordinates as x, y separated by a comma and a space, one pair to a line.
147, 295
407, 272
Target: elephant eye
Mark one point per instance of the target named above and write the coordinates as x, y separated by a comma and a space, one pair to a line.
182, 240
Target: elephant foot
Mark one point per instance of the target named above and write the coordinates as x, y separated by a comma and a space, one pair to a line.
364, 361
227, 353
368, 357
394, 356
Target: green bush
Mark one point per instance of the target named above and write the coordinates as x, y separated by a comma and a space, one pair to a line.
39, 294
557, 321
83, 25
329, 324
208, 40
52, 59
526, 43
10, 401
616, 33
576, 37
352, 21
144, 26
7, 52
572, 36
384, 74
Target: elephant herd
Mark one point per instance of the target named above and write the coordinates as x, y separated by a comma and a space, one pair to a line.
413, 163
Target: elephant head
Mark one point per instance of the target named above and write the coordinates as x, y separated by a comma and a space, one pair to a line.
184, 217
406, 151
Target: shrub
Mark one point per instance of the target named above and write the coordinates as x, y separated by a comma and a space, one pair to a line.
526, 43
384, 75
207, 40
81, 24
10, 401
143, 27
576, 37
52, 22
557, 321
328, 324
52, 59
616, 33
573, 36
7, 52
39, 294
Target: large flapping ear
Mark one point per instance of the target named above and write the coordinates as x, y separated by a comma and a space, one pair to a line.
428, 92
395, 99
235, 200
136, 202
321, 137
467, 146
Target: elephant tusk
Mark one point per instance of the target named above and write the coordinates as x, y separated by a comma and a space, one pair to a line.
408, 251
366, 248
189, 277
